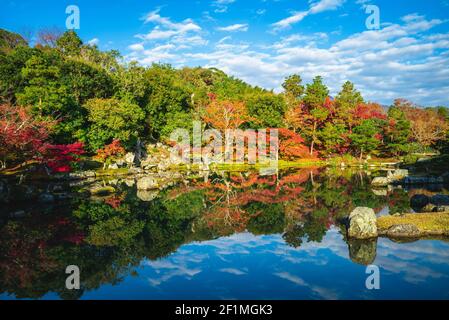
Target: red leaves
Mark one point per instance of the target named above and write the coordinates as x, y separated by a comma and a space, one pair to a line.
370, 111
22, 137
111, 150
60, 157
292, 146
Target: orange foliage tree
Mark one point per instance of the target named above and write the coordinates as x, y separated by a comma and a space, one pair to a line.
223, 115
427, 125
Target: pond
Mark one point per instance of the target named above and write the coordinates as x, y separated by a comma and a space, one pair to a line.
224, 235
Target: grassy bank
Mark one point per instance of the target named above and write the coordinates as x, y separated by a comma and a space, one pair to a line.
428, 224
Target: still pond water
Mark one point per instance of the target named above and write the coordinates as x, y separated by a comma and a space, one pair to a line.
221, 236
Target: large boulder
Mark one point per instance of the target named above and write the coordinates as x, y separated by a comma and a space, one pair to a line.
147, 183
380, 182
362, 223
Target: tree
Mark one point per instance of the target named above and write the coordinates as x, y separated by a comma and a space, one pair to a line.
59, 158
316, 93
22, 137
293, 86
223, 115
346, 103
366, 137
11, 79
69, 43
267, 110
113, 119
166, 95
10, 40
366, 111
85, 81
334, 138
427, 126
48, 37
291, 145
397, 131
110, 153
48, 96
316, 109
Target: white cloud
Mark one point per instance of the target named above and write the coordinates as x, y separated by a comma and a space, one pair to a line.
165, 28
221, 6
235, 28
136, 47
285, 23
93, 42
315, 7
325, 5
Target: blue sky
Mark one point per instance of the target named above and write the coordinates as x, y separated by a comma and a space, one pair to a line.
262, 41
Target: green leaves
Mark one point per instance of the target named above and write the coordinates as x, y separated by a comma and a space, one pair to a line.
113, 119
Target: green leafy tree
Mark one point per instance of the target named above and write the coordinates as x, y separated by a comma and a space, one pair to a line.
333, 137
69, 43
366, 137
11, 78
85, 81
293, 86
346, 103
397, 131
268, 109
166, 95
316, 110
113, 119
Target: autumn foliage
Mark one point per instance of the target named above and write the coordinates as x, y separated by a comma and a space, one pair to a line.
110, 152
22, 136
59, 158
223, 115
366, 111
292, 146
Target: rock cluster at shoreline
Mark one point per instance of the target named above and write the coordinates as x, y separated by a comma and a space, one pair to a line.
363, 224
401, 177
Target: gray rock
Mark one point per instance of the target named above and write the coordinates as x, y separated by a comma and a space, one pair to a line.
440, 200
403, 230
380, 182
362, 251
46, 198
362, 223
147, 183
419, 201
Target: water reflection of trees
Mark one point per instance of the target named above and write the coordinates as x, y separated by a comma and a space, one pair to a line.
108, 238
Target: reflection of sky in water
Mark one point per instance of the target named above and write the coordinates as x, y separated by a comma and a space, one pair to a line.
245, 266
